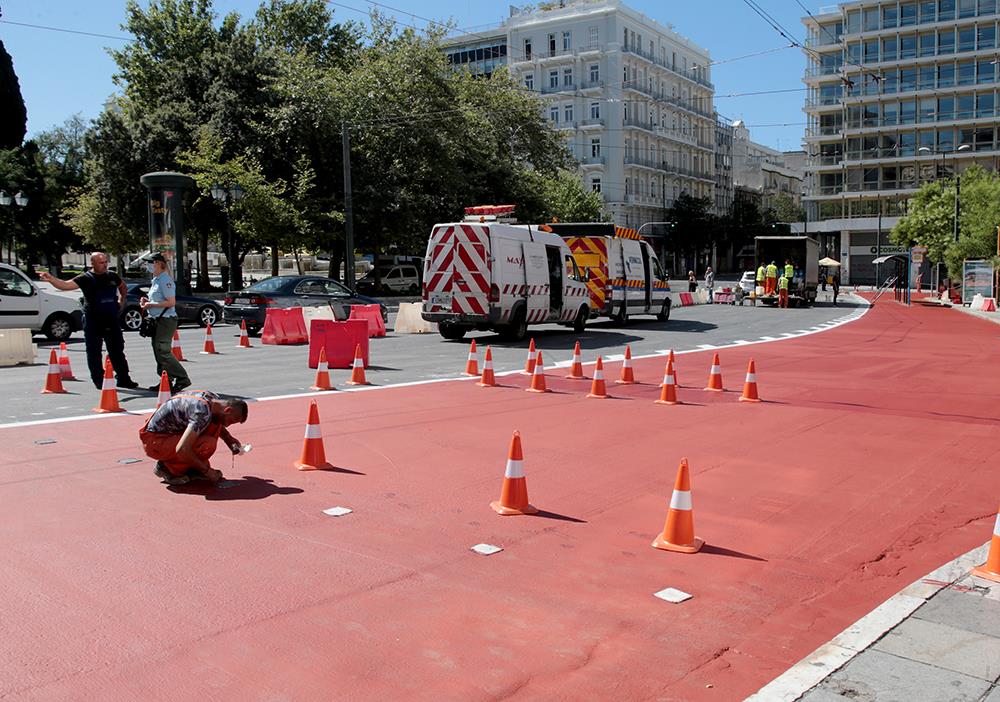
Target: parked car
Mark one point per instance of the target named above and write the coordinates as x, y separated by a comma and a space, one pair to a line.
402, 279
748, 282
201, 310
282, 292
25, 304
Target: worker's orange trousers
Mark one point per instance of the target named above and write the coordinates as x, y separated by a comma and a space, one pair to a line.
771, 286
163, 447
783, 298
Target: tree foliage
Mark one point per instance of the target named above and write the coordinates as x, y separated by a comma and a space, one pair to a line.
14, 115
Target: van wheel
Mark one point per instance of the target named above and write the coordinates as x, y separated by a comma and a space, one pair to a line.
451, 332
664, 314
580, 323
517, 329
58, 327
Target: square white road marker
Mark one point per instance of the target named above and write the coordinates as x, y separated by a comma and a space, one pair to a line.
672, 595
486, 549
337, 511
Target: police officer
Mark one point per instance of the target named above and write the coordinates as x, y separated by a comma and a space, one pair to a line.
104, 299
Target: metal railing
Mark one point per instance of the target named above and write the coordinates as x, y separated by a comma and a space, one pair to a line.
689, 75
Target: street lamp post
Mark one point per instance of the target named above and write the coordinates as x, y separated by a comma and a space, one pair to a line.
638, 232
21, 200
958, 180
227, 195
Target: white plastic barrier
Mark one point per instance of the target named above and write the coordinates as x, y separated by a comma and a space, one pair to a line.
701, 296
977, 303
16, 347
409, 321
311, 313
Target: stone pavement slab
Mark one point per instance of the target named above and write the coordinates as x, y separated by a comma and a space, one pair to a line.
965, 611
945, 647
993, 696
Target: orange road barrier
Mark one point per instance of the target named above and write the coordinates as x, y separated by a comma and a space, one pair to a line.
514, 493
472, 364
538, 376
576, 370
627, 377
488, 380
678, 532
990, 570
750, 385
715, 375
209, 347
668, 391
109, 392
529, 365
670, 358
65, 370
53, 379
244, 337
322, 381
598, 390
164, 392
175, 346
313, 455
358, 372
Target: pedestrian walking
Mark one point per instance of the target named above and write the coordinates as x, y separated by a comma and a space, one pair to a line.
160, 305
836, 287
783, 291
692, 282
710, 283
103, 301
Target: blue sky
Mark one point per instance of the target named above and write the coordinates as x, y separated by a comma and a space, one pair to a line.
62, 73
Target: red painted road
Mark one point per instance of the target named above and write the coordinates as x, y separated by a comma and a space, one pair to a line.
872, 462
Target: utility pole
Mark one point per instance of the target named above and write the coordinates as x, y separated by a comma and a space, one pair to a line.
348, 209
958, 191
878, 244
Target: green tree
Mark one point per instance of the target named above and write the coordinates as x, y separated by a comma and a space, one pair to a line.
784, 209
14, 115
693, 224
564, 198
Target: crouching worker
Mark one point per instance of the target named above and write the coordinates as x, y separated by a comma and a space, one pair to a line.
184, 432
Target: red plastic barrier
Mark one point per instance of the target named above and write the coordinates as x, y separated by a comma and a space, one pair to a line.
339, 339
989, 305
284, 326
686, 300
373, 315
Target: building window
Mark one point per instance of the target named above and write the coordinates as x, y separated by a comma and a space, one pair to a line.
595, 184
907, 15
594, 38
554, 114
928, 11
595, 73
567, 41
567, 76
553, 79
527, 49
946, 10
967, 39
568, 113
946, 41
595, 148
552, 44
595, 110
966, 8
529, 81
987, 37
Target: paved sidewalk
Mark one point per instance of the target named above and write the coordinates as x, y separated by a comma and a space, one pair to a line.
938, 639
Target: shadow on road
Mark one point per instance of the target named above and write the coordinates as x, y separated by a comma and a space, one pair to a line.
720, 551
249, 488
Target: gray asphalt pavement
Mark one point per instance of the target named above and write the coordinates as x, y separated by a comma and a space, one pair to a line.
266, 370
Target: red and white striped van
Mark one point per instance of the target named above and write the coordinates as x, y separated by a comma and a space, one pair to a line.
489, 275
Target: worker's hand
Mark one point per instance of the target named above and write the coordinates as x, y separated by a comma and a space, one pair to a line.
45, 275
235, 446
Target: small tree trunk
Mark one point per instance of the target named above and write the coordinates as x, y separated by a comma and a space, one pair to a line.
298, 261
275, 254
203, 281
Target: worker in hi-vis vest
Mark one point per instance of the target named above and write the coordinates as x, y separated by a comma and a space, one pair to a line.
789, 271
760, 276
772, 279
783, 291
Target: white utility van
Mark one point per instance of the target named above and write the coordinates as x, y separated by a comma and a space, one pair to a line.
26, 305
488, 275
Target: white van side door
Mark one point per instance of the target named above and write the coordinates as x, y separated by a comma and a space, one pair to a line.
20, 303
536, 281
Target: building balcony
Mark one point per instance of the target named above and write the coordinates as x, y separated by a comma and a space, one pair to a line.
592, 123
638, 87
592, 161
688, 75
823, 71
552, 89
823, 42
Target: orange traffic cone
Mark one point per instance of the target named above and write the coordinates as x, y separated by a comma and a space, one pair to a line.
358, 372
322, 381
244, 337
678, 532
538, 376
65, 370
313, 456
164, 394
627, 377
750, 385
529, 365
472, 365
109, 391
175, 347
668, 391
53, 379
514, 493
488, 380
991, 568
209, 347
715, 375
670, 359
597, 388
576, 370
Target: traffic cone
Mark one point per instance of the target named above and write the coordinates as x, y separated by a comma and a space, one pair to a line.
488, 380
597, 387
538, 376
529, 365
670, 359
678, 532
514, 493
990, 570
313, 456
472, 365
65, 370
244, 337
322, 381
750, 385
576, 370
358, 372
53, 379
627, 377
164, 394
715, 375
109, 392
668, 391
175, 347
209, 347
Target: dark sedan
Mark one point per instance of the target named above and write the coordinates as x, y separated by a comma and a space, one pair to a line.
200, 310
251, 305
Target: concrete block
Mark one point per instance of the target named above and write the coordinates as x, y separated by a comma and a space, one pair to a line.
409, 321
16, 347
943, 646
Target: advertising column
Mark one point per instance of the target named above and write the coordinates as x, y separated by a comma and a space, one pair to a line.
165, 206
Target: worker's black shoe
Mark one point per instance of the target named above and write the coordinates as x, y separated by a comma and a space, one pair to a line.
180, 385
154, 388
161, 472
128, 384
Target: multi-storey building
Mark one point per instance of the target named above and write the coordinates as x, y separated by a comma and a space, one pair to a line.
633, 97
724, 193
899, 94
763, 169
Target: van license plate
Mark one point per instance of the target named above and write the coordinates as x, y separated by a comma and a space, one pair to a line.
441, 299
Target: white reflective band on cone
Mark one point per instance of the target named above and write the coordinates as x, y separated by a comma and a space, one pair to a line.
681, 499
313, 431
716, 370
488, 365
109, 384
598, 375
53, 368
323, 367
668, 380
996, 527
515, 469
751, 377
